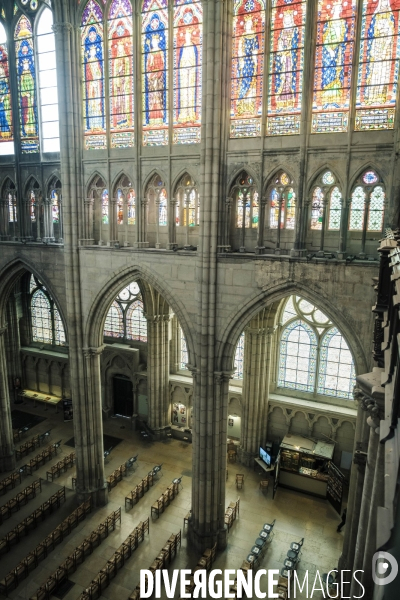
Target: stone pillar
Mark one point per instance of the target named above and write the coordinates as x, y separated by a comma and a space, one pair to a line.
88, 222
7, 456
174, 358
261, 224
113, 220
48, 233
226, 226
4, 219
343, 228
88, 431
158, 367
142, 239
255, 387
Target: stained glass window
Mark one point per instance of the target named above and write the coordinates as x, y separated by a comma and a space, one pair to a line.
333, 65
191, 211
328, 178
32, 206
184, 352
162, 208
154, 72
93, 76
48, 96
317, 208
55, 207
131, 207
104, 207
282, 203
370, 177
336, 371
26, 76
47, 326
12, 208
275, 207
247, 67
188, 39
313, 355
376, 206
120, 53
239, 358
247, 203
335, 209
285, 80
120, 207
298, 354
378, 68
125, 318
6, 126
357, 208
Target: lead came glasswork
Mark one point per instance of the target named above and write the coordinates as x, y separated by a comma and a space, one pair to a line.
298, 357
333, 65
285, 80
378, 69
239, 357
335, 209
47, 325
317, 209
125, 318
336, 374
357, 210
376, 207
184, 352
6, 125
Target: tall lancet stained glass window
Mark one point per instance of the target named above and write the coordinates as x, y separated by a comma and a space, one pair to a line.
6, 126
333, 65
247, 67
26, 77
93, 77
48, 97
188, 33
285, 79
120, 55
154, 72
378, 69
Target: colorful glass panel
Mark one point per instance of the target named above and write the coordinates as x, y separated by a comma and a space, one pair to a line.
317, 209
378, 69
184, 359
188, 39
333, 65
104, 207
26, 75
290, 209
131, 207
298, 356
239, 358
285, 80
136, 322
120, 65
376, 207
41, 318
154, 72
190, 213
120, 207
274, 209
12, 208
6, 126
335, 209
370, 177
93, 77
55, 207
336, 375
162, 208
357, 207
247, 67
32, 206
48, 96
328, 178
114, 325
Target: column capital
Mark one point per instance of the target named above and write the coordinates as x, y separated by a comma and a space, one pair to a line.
222, 377
194, 371
62, 26
91, 352
157, 318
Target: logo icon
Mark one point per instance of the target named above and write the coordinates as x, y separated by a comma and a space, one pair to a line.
384, 568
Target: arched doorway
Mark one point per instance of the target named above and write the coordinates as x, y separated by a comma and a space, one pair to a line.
123, 395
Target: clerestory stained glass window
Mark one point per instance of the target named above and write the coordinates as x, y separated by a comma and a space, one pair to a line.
136, 323
376, 206
131, 206
6, 125
46, 322
104, 207
378, 69
48, 95
125, 318
313, 355
335, 209
184, 356
282, 203
357, 209
162, 209
239, 358
114, 325
317, 208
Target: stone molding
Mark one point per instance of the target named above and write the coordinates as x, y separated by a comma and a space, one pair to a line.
91, 352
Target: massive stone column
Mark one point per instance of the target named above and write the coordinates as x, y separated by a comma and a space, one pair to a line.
158, 365
7, 456
257, 346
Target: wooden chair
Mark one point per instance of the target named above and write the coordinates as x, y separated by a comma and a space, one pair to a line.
264, 483
232, 456
186, 519
239, 480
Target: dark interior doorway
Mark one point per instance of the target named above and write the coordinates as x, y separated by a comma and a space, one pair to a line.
123, 395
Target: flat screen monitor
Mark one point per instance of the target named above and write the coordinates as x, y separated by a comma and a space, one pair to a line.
265, 457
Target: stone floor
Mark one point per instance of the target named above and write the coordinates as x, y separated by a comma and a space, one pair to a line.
297, 515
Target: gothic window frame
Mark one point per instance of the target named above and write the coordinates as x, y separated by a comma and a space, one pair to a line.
326, 182
57, 336
156, 187
127, 300
245, 184
368, 189
10, 210
297, 311
183, 350
122, 196
184, 189
238, 359
283, 185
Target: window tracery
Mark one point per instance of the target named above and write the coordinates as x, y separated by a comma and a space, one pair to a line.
282, 202
46, 322
239, 358
326, 203
247, 202
125, 318
367, 206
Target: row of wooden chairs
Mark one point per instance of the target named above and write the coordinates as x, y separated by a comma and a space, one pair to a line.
246, 567
61, 467
115, 563
10, 482
22, 529
41, 458
162, 560
205, 562
31, 561
231, 513
165, 499
27, 447
20, 500
77, 557
116, 476
138, 491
